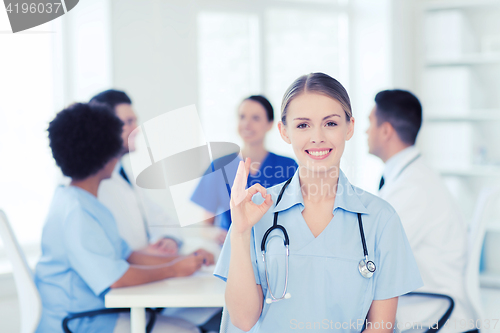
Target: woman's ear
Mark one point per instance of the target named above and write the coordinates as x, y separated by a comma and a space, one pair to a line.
283, 132
350, 129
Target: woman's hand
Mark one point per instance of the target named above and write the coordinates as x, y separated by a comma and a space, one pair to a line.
163, 246
244, 212
186, 266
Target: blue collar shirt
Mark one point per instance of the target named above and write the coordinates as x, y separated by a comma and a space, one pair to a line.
326, 287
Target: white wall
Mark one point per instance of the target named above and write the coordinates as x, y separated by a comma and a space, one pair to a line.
155, 59
154, 54
371, 71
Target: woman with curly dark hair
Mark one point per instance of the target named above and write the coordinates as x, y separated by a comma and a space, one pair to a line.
83, 255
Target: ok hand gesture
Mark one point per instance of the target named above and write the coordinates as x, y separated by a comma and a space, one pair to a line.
244, 212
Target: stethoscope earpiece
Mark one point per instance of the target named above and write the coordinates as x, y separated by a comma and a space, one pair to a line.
270, 300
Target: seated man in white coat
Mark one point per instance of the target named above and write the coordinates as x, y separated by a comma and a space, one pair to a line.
435, 228
143, 224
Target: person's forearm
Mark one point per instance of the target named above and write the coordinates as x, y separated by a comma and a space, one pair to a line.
243, 295
139, 258
136, 275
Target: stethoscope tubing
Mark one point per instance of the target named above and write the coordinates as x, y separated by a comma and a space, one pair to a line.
366, 267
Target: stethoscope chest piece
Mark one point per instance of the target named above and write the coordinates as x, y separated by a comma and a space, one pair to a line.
366, 268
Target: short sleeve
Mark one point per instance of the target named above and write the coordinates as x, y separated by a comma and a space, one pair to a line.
222, 266
397, 271
126, 250
203, 194
92, 254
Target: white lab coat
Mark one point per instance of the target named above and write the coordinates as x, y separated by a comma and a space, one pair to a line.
435, 229
126, 203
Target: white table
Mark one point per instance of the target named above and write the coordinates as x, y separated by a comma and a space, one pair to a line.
199, 290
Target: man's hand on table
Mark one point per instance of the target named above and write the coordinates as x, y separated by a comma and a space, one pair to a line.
163, 246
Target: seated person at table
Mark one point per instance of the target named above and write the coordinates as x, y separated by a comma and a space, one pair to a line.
255, 119
435, 228
143, 224
83, 255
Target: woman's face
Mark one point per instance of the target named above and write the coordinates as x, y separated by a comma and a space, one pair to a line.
252, 122
317, 129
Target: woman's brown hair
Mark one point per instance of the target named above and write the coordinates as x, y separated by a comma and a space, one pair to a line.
319, 83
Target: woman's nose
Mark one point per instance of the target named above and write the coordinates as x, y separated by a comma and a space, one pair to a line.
318, 136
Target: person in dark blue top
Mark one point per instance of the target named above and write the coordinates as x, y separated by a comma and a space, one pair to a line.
255, 119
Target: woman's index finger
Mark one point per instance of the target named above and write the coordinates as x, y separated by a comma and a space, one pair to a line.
240, 179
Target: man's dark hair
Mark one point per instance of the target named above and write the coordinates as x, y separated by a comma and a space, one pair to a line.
83, 138
112, 98
265, 104
402, 110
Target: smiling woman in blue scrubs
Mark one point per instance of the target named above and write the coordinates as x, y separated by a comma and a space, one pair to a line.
83, 255
255, 119
319, 210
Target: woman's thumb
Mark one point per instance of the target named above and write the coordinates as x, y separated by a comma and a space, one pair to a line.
269, 201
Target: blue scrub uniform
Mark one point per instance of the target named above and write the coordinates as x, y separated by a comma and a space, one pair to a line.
82, 256
327, 290
215, 197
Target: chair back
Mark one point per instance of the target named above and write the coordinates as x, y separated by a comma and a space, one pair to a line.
30, 303
423, 312
476, 234
224, 322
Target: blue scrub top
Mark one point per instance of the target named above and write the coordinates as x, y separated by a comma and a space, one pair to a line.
214, 196
326, 287
82, 256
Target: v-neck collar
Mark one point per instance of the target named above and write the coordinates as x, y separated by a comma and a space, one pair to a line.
346, 197
291, 205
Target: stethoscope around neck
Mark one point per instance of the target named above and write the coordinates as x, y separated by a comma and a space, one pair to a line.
366, 267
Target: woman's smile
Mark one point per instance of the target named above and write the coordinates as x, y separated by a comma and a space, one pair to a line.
318, 153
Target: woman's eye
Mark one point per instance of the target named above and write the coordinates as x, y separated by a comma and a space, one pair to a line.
302, 126
331, 123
